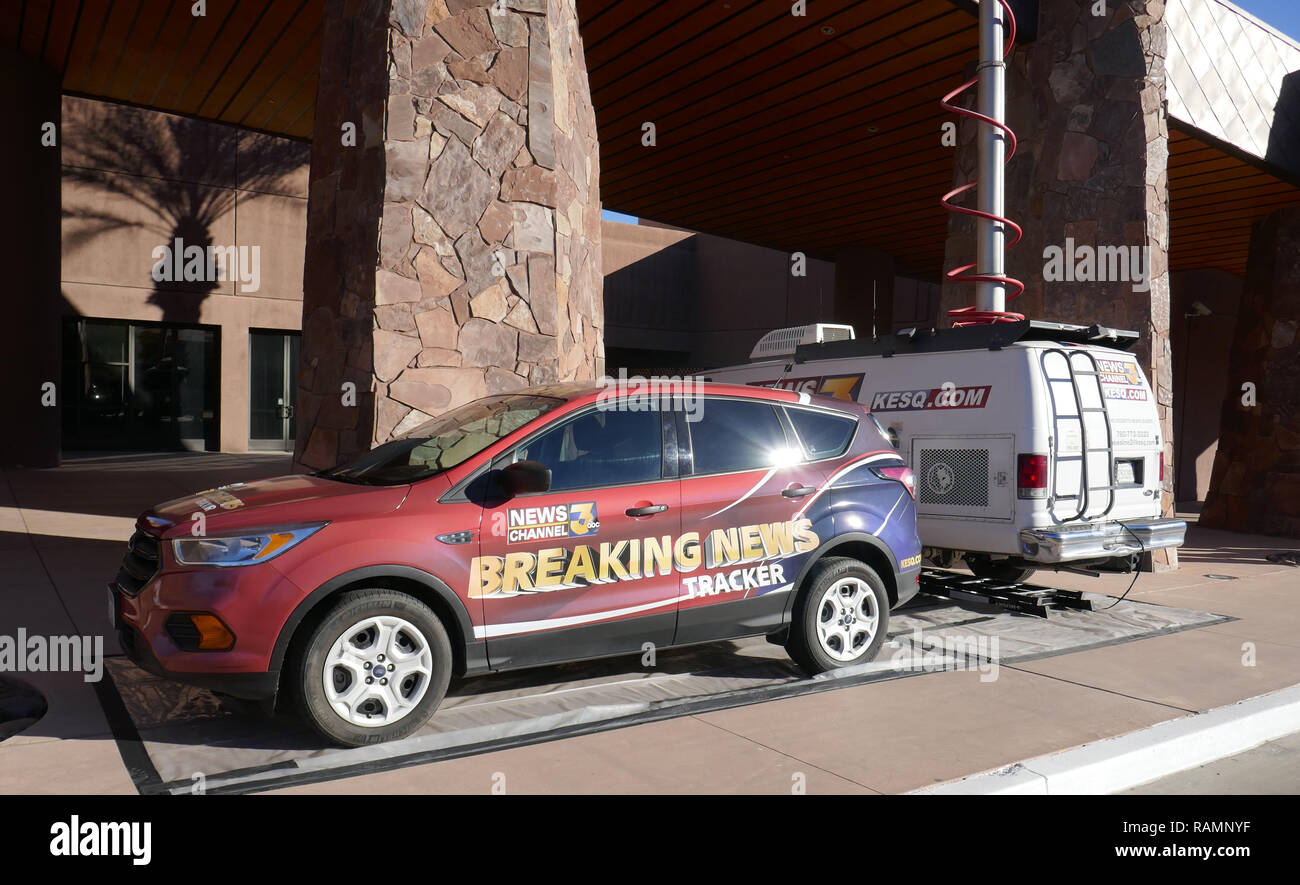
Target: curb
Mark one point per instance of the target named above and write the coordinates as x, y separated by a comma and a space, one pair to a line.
1129, 760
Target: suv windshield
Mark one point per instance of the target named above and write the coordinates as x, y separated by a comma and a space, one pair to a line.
445, 441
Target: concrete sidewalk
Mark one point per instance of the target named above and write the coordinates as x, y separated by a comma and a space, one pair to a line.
62, 535
61, 538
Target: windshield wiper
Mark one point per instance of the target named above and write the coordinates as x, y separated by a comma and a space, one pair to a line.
346, 477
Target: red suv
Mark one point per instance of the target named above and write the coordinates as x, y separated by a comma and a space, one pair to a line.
553, 524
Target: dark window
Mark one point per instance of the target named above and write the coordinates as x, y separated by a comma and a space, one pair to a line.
139, 386
599, 448
823, 435
737, 435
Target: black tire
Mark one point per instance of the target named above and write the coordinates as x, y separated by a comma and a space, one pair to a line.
805, 645
348, 611
998, 570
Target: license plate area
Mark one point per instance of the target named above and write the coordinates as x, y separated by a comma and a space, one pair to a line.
1129, 472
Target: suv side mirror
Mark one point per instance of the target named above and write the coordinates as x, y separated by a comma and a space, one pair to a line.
523, 477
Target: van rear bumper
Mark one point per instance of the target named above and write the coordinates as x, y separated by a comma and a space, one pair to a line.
1068, 543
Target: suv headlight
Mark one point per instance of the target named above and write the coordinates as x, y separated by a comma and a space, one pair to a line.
240, 549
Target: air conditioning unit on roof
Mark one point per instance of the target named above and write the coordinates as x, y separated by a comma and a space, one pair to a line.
782, 342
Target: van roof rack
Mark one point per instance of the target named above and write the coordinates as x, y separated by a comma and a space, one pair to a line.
992, 337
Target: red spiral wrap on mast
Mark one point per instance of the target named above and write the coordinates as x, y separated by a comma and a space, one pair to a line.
971, 316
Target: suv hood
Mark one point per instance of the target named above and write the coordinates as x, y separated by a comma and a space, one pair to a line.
266, 503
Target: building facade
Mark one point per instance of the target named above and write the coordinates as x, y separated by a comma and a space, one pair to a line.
414, 187
180, 281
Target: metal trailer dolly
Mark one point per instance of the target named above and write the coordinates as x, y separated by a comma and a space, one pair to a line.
1025, 599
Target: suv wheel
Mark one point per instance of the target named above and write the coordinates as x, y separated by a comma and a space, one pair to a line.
374, 668
840, 618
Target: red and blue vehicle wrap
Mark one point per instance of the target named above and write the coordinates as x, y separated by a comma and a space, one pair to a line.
553, 576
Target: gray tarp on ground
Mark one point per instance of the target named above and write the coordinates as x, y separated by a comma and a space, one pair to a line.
187, 731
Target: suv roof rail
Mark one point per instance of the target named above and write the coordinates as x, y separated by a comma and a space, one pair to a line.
991, 337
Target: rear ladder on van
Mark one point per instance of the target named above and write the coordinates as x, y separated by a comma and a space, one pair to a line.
1075, 377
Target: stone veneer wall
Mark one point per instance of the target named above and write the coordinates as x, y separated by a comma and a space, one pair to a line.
1255, 486
1085, 100
455, 250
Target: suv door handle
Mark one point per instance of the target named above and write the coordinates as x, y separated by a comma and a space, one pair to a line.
798, 491
648, 510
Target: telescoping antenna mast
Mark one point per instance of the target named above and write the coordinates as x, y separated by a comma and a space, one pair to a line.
997, 144
991, 233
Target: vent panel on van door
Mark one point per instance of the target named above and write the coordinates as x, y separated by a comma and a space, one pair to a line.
954, 476
971, 477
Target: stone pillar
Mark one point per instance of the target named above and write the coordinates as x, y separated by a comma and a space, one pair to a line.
33, 392
1255, 486
1085, 100
453, 244
860, 271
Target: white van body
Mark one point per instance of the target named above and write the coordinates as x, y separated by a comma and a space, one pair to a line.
963, 416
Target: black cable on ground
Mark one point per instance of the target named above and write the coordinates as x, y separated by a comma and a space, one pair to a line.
1142, 549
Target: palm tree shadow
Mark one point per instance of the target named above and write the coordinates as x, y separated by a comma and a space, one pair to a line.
174, 177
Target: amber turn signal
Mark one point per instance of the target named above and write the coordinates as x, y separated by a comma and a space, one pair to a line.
213, 635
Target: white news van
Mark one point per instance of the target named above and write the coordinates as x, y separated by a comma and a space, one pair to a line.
1034, 445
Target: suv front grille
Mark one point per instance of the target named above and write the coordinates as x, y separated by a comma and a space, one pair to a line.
139, 565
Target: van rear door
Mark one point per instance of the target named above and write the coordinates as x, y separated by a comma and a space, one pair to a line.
1135, 427
1106, 435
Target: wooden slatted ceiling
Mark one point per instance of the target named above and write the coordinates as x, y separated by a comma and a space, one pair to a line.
1214, 199
764, 123
251, 63
773, 132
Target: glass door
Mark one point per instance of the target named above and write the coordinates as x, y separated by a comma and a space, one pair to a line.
273, 393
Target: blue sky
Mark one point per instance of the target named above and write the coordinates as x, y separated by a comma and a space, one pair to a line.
1281, 14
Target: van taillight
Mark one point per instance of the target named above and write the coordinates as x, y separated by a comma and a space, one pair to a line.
898, 474
1031, 476
1162, 467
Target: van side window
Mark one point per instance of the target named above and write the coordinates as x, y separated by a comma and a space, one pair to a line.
599, 448
823, 435
737, 435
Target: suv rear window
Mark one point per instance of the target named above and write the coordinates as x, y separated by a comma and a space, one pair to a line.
736, 435
824, 435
